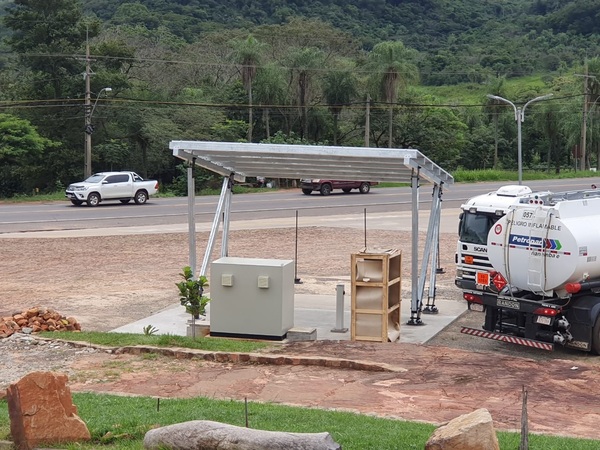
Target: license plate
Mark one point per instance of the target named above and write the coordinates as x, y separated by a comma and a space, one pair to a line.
476, 307
543, 320
482, 278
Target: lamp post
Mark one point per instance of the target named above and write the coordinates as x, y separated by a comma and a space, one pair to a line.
519, 117
89, 128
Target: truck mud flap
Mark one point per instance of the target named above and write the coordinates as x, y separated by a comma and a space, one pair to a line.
510, 339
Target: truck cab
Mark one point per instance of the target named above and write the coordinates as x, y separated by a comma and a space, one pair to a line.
478, 215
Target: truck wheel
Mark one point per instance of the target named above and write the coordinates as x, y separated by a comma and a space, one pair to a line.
364, 188
93, 199
596, 337
125, 200
76, 202
326, 189
307, 191
346, 190
141, 197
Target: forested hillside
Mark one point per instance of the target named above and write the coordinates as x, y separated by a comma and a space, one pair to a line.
512, 37
292, 71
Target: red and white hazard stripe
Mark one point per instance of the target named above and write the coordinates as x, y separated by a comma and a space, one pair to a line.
510, 339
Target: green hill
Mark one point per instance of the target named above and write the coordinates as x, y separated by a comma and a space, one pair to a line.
459, 40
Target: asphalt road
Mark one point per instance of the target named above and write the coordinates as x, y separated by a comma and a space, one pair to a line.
267, 205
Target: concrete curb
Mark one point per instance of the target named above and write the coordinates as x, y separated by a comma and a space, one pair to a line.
244, 358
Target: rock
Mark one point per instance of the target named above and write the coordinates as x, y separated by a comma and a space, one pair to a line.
473, 431
37, 319
208, 435
41, 410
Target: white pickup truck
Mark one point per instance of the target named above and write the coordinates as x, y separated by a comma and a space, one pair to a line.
122, 186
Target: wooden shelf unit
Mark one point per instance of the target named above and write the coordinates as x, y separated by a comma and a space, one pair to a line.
376, 295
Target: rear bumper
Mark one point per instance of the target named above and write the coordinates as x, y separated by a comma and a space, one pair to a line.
507, 338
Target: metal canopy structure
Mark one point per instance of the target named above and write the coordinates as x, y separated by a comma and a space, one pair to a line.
237, 161
310, 161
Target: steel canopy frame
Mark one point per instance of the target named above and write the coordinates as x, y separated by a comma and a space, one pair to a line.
237, 161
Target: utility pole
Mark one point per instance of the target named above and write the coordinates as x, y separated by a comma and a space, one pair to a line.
88, 130
586, 77
584, 124
368, 120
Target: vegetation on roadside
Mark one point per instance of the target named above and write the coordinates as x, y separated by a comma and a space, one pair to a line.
118, 422
475, 176
460, 176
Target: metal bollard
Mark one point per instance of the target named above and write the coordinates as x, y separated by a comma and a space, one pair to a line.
339, 310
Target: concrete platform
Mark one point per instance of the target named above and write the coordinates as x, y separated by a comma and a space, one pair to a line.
318, 312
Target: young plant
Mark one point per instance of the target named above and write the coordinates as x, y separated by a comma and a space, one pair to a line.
150, 330
191, 293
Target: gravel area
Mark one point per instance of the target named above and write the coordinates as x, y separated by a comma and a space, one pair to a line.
23, 353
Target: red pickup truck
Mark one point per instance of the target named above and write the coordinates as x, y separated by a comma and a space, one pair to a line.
326, 186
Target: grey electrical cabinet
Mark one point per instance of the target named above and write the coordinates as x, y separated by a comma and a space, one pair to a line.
251, 298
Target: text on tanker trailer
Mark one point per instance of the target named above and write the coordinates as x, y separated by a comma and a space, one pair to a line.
546, 254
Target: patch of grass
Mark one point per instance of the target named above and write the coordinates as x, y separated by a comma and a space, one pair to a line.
118, 422
58, 196
475, 93
162, 340
21, 198
476, 176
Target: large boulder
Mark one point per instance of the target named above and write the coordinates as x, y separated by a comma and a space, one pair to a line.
41, 410
473, 431
208, 435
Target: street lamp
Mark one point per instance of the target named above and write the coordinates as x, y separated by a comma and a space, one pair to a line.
519, 117
89, 129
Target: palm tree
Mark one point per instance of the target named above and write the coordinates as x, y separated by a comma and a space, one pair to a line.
548, 118
303, 64
269, 90
247, 53
393, 69
339, 90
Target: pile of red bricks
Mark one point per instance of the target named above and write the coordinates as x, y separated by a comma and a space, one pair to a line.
37, 319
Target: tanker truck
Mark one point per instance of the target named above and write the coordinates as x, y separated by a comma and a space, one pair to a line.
478, 215
545, 277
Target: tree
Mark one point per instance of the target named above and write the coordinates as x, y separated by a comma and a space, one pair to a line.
548, 118
247, 54
303, 65
493, 107
392, 66
437, 132
21, 150
339, 89
270, 90
592, 97
46, 34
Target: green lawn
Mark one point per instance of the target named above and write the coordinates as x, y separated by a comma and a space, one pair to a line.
118, 422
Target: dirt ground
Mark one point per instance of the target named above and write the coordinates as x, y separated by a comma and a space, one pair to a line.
106, 282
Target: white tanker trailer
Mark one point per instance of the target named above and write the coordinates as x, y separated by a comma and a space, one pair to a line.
545, 253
